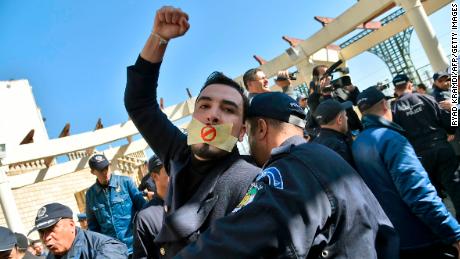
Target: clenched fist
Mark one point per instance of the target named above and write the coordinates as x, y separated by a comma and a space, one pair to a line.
170, 23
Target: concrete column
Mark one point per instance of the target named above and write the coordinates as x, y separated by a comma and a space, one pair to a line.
305, 68
425, 32
13, 220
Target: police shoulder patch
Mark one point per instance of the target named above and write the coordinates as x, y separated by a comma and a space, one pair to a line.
249, 196
275, 179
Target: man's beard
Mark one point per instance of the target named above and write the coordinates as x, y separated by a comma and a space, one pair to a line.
208, 152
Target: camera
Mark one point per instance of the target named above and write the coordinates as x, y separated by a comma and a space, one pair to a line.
292, 76
382, 85
338, 83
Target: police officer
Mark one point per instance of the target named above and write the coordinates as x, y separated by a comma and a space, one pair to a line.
427, 125
307, 202
58, 232
8, 244
111, 202
148, 221
22, 245
334, 134
441, 86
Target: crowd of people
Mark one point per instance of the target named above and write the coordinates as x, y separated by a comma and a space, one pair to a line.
323, 179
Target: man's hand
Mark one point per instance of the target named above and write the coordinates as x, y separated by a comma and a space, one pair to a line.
170, 23
350, 88
283, 79
446, 105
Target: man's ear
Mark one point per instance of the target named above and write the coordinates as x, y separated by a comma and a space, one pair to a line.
242, 132
71, 223
155, 177
262, 129
384, 106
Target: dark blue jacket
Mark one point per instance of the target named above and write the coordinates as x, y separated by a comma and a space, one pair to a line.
111, 211
89, 245
336, 141
439, 94
147, 225
307, 203
388, 164
423, 120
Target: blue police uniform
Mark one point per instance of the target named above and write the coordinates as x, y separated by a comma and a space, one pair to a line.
426, 126
307, 203
89, 245
389, 165
147, 225
111, 210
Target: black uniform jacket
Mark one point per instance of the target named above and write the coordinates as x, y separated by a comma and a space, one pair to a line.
307, 203
147, 225
423, 119
219, 191
338, 142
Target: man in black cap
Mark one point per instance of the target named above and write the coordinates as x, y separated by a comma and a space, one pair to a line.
332, 117
22, 245
8, 244
388, 164
112, 202
441, 86
427, 125
57, 230
82, 220
14, 245
306, 203
147, 185
148, 221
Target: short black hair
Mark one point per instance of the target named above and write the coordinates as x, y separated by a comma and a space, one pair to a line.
219, 78
421, 86
250, 75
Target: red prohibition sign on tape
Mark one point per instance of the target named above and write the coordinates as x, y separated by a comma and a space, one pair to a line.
208, 133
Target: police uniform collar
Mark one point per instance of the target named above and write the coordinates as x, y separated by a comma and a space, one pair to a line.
406, 93
374, 121
331, 132
286, 146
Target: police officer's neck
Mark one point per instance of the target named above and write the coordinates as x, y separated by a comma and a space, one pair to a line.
334, 127
277, 138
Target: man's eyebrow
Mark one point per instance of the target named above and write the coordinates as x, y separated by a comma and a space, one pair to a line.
225, 101
231, 103
205, 98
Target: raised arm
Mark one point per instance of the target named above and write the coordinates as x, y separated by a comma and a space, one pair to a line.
141, 103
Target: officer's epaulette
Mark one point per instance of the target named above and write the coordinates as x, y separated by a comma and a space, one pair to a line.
285, 149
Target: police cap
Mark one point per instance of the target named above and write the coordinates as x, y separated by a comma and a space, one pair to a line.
278, 106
